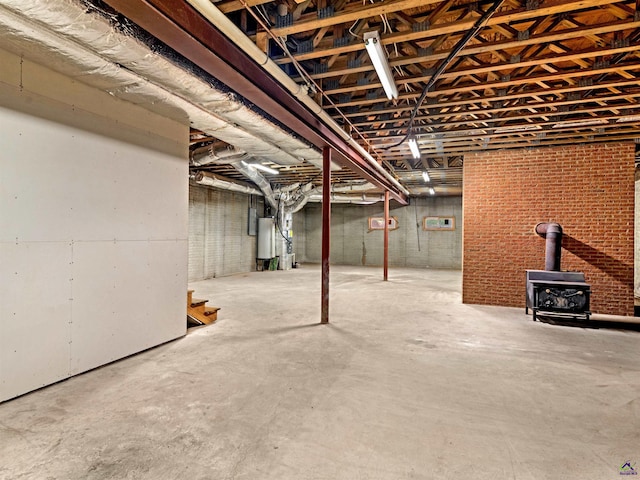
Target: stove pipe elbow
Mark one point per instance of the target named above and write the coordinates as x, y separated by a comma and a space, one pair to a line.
552, 232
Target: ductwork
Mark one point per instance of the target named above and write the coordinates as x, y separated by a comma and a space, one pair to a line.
299, 203
218, 181
212, 156
297, 198
552, 232
287, 189
257, 178
61, 35
340, 194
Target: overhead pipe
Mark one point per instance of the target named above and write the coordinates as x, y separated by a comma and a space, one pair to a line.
219, 155
552, 232
218, 181
355, 199
347, 188
228, 28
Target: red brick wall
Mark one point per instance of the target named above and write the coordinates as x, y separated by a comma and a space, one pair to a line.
588, 190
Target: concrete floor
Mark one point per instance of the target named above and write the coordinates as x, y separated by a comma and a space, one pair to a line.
406, 383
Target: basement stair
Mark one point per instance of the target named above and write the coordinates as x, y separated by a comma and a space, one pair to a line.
197, 311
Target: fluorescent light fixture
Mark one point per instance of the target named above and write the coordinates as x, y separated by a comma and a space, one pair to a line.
432, 191
259, 166
378, 56
264, 168
581, 123
426, 177
413, 146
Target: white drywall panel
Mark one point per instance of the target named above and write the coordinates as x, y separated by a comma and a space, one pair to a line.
104, 182
35, 315
115, 190
124, 293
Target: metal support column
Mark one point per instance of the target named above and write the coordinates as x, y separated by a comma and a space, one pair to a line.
326, 231
386, 235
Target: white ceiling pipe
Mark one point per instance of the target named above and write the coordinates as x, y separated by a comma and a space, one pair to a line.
217, 181
212, 155
226, 26
61, 35
345, 188
359, 199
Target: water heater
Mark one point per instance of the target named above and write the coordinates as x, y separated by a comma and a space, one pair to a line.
266, 238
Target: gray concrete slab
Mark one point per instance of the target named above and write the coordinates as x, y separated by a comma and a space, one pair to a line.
405, 383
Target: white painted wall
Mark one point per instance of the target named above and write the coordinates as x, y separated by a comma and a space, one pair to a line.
93, 227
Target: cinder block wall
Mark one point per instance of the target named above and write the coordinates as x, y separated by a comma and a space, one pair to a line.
299, 235
219, 242
588, 190
409, 246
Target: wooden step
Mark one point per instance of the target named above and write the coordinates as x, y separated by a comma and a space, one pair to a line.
210, 316
197, 302
211, 313
198, 313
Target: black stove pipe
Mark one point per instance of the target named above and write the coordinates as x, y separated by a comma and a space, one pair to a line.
552, 232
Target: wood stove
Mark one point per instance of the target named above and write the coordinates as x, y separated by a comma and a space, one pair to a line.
558, 293
551, 290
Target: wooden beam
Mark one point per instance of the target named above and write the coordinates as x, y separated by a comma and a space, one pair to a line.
507, 83
350, 14
470, 124
464, 25
235, 5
